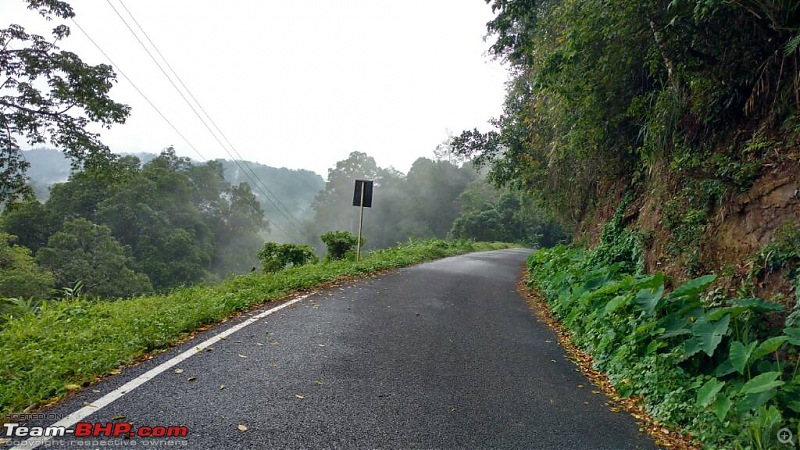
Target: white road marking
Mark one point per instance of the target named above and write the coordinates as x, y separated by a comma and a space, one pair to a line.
117, 393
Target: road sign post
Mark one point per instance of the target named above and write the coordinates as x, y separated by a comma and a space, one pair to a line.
362, 197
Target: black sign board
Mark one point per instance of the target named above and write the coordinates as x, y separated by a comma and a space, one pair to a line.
366, 186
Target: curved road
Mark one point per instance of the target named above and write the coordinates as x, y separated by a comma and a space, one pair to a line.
441, 355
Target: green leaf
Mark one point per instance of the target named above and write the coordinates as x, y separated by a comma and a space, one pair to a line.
762, 383
740, 355
654, 345
724, 368
709, 334
721, 407
769, 346
791, 45
708, 392
648, 299
757, 304
717, 313
691, 347
615, 303
692, 287
793, 334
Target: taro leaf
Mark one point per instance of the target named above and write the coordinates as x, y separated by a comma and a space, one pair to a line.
674, 325
734, 311
692, 287
769, 346
596, 282
762, 383
793, 334
648, 299
615, 303
740, 355
709, 334
753, 401
708, 392
724, 368
690, 348
721, 407
757, 304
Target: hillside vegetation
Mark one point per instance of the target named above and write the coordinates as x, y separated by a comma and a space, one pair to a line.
664, 134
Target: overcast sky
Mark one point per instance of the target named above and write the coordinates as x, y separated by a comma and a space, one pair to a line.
297, 83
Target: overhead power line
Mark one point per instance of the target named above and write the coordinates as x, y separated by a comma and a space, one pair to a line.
240, 162
158, 111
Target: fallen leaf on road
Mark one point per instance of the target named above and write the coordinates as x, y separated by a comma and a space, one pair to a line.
259, 344
242, 356
221, 387
318, 382
242, 427
118, 417
72, 387
191, 378
178, 370
580, 385
299, 396
115, 372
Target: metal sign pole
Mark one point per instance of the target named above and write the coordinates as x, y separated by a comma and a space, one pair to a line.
360, 221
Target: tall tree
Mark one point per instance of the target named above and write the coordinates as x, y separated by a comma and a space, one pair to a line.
20, 276
76, 95
87, 253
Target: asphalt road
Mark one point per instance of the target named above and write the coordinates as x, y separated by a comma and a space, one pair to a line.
441, 355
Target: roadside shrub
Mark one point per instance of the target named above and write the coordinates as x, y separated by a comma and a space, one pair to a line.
710, 368
341, 244
275, 257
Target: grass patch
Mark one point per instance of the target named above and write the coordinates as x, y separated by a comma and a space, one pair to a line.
77, 341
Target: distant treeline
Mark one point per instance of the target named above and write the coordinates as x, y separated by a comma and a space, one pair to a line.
120, 228
436, 199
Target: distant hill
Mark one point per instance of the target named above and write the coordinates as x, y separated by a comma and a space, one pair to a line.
295, 189
47, 167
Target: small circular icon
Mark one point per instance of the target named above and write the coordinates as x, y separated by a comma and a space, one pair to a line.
785, 436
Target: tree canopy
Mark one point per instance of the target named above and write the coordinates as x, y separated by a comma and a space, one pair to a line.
603, 92
76, 94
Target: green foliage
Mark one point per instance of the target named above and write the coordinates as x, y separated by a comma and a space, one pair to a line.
31, 222
603, 92
76, 341
489, 214
20, 276
619, 245
341, 244
782, 253
88, 253
712, 369
275, 257
77, 94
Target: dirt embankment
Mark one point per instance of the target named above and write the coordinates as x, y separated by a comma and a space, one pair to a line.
736, 230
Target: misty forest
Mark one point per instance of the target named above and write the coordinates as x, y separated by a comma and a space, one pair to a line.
146, 223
